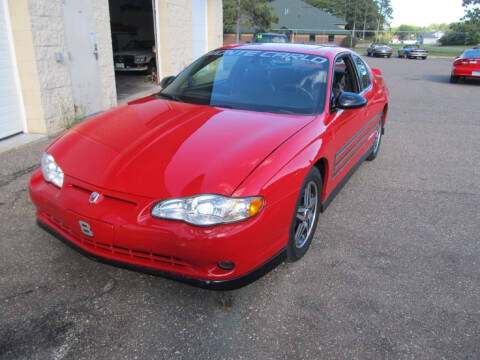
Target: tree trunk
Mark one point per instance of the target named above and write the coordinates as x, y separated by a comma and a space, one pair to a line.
237, 25
354, 23
365, 19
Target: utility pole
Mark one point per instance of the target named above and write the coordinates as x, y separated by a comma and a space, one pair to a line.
237, 25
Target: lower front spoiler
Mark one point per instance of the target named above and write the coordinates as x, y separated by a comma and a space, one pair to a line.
230, 284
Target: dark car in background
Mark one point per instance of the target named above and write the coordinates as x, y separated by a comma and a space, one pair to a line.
412, 52
136, 56
379, 50
270, 38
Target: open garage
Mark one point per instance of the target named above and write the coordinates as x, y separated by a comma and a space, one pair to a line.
133, 45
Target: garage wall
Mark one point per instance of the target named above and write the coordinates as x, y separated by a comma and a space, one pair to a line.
101, 23
180, 32
11, 101
27, 66
39, 38
174, 32
48, 39
215, 24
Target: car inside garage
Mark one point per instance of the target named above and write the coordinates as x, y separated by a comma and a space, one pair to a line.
134, 50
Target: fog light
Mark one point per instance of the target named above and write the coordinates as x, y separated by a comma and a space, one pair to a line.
226, 265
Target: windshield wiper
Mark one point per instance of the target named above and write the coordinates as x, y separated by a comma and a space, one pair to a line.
170, 97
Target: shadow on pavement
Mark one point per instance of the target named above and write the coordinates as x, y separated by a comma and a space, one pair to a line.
446, 79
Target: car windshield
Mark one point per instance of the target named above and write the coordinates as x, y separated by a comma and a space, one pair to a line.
257, 80
137, 44
474, 53
270, 39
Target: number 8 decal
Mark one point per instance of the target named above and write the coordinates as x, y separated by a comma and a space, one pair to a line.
85, 227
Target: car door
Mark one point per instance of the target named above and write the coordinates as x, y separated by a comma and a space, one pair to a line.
348, 125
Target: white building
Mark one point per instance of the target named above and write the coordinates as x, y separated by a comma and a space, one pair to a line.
430, 38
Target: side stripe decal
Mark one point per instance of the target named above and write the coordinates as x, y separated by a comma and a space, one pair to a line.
344, 156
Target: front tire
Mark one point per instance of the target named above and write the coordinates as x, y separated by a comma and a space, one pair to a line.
377, 142
305, 217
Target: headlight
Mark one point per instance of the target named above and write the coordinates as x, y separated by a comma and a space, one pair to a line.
205, 210
140, 59
51, 171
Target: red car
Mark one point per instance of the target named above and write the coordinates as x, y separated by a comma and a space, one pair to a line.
466, 66
225, 172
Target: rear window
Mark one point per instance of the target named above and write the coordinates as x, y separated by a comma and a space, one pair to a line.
474, 53
271, 38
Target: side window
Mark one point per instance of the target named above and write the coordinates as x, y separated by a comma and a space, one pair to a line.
362, 72
344, 79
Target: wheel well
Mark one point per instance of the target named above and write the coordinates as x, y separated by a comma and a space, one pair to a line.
322, 166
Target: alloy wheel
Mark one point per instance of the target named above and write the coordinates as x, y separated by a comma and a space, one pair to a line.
306, 214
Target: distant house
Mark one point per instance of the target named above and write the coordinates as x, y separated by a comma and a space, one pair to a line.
302, 22
430, 38
395, 39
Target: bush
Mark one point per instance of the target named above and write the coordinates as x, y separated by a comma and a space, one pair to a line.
456, 38
347, 41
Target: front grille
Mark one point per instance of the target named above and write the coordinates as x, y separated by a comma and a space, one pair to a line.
148, 258
108, 196
128, 60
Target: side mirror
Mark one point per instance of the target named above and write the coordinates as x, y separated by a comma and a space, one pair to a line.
349, 100
166, 81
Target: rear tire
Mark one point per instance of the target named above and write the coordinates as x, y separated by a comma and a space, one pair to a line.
378, 140
453, 79
305, 216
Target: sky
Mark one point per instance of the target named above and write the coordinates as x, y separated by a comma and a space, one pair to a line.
426, 12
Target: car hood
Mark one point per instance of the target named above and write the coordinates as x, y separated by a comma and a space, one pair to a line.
158, 148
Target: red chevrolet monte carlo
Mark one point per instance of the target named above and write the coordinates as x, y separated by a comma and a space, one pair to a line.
225, 172
466, 66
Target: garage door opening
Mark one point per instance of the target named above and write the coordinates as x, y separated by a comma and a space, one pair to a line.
133, 42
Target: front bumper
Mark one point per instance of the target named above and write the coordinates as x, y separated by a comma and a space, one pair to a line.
125, 233
138, 68
230, 284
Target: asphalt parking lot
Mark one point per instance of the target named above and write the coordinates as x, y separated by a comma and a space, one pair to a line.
393, 272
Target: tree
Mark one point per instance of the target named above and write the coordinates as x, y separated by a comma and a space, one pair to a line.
385, 12
472, 11
461, 33
356, 13
256, 13
405, 32
468, 31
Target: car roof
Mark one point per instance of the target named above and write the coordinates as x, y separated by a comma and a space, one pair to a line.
322, 50
269, 33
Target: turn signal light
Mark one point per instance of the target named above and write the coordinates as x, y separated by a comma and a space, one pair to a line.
255, 206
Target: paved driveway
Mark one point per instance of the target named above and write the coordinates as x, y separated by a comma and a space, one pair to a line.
393, 271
